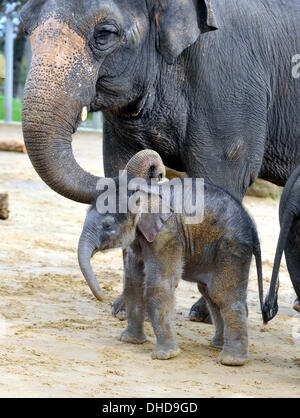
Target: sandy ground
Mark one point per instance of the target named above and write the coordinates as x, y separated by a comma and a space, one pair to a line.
56, 340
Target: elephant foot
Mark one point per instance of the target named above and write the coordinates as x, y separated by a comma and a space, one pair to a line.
232, 359
165, 352
129, 337
200, 313
217, 342
119, 309
297, 305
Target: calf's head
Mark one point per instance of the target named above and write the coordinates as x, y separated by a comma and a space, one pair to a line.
117, 229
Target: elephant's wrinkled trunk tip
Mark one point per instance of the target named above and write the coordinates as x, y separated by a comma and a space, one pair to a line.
85, 252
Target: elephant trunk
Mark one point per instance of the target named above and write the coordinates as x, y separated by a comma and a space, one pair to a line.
60, 83
49, 146
146, 164
86, 250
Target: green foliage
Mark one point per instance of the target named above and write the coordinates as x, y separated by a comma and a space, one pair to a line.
17, 109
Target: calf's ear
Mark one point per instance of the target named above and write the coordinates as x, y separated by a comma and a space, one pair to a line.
179, 24
150, 224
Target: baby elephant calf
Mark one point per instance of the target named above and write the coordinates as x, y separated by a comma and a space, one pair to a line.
165, 246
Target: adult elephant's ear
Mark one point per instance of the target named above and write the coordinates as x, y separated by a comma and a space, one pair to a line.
179, 24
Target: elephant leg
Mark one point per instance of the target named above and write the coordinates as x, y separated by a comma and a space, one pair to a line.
297, 305
134, 285
235, 349
161, 282
160, 300
292, 255
118, 308
119, 305
218, 339
229, 292
200, 313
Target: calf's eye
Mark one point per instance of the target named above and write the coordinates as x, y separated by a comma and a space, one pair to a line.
107, 226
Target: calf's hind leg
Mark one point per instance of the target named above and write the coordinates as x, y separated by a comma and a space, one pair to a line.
229, 292
235, 349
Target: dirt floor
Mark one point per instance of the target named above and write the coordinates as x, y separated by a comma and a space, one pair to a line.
57, 340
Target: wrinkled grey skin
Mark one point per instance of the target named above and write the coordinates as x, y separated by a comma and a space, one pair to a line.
215, 254
289, 239
218, 104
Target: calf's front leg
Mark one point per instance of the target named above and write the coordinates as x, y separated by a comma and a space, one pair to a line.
160, 294
118, 308
134, 284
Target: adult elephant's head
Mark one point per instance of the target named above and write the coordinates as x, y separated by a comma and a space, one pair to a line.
99, 55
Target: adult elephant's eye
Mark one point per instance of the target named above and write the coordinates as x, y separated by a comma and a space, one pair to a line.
105, 35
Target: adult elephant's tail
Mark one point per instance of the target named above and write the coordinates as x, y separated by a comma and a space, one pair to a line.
270, 307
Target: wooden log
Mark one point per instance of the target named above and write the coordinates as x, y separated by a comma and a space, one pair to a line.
262, 188
13, 145
4, 212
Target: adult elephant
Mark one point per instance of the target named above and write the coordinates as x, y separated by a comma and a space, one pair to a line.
220, 104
